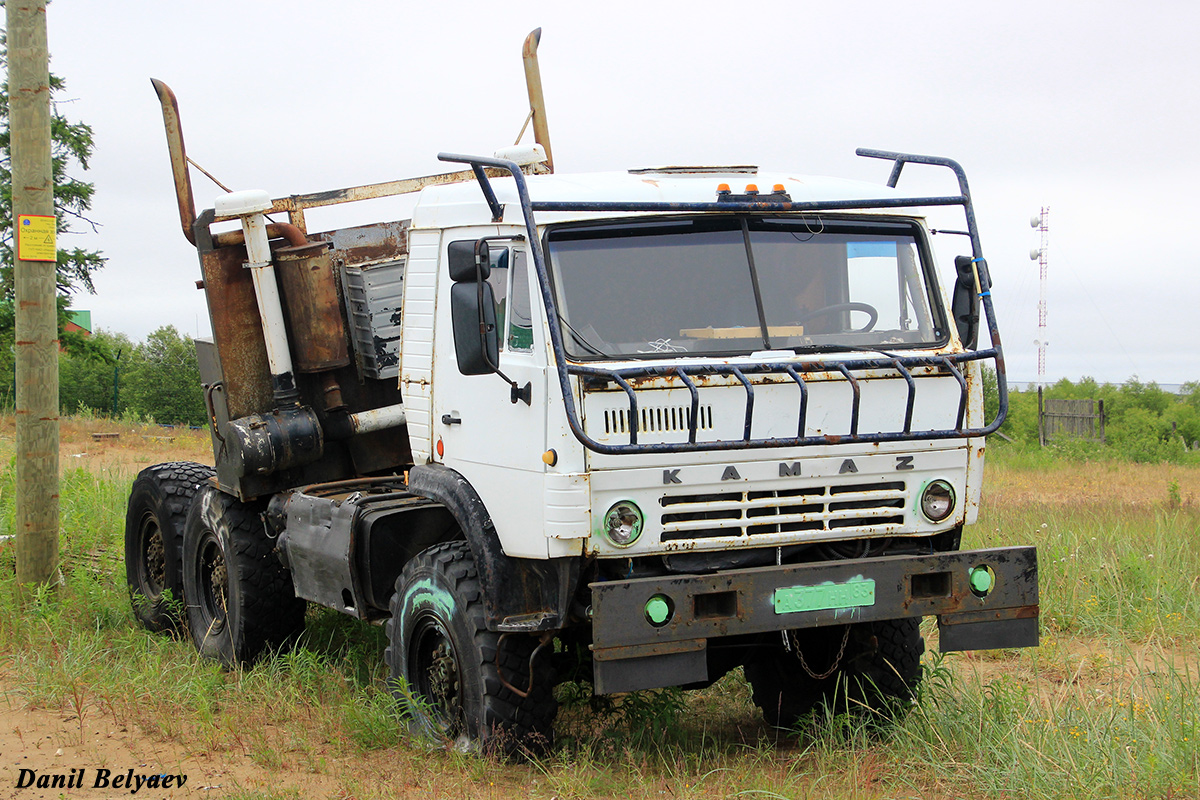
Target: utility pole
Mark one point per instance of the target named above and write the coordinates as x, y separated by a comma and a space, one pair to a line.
34, 229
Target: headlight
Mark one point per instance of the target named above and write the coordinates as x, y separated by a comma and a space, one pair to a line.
937, 501
623, 523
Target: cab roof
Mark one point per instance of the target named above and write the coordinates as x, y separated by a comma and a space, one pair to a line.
450, 205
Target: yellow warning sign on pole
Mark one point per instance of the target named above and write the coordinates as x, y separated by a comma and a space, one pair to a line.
36, 238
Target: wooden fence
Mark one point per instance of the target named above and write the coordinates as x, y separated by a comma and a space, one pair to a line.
1082, 419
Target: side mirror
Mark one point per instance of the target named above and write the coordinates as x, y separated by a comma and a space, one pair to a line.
473, 308
470, 260
964, 302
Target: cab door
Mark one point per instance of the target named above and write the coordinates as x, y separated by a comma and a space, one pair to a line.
493, 436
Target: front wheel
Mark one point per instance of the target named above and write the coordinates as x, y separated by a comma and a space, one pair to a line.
240, 600
457, 681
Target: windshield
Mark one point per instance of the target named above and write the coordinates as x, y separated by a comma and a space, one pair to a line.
736, 285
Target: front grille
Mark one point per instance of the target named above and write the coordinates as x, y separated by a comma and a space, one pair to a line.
865, 506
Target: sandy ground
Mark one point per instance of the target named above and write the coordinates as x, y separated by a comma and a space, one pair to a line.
54, 743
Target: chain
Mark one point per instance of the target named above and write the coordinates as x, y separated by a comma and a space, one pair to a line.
832, 667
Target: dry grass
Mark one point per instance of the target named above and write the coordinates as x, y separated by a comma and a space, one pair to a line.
115, 450
1099, 484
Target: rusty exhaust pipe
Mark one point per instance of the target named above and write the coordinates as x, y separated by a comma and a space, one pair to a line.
275, 230
537, 103
179, 163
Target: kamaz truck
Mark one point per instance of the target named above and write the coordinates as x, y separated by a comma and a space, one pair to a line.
636, 428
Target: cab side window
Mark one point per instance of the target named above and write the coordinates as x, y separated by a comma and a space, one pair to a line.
519, 317
498, 279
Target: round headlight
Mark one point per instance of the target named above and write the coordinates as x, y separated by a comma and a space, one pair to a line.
623, 523
937, 501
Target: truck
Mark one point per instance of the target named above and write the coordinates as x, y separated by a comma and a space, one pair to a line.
635, 428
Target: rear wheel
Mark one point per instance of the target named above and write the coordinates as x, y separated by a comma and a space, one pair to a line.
458, 681
154, 518
871, 668
240, 600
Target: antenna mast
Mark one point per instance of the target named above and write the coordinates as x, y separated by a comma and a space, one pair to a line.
1041, 223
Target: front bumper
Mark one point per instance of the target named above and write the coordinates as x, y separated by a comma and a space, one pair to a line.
631, 651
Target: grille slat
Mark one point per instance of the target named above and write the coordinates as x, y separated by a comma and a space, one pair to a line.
872, 507
879, 500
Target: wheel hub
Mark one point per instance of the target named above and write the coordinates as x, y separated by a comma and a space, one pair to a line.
443, 675
214, 582
437, 677
154, 558
220, 577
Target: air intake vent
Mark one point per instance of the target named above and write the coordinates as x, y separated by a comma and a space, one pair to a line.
658, 420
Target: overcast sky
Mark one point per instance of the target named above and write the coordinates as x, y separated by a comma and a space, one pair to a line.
1092, 109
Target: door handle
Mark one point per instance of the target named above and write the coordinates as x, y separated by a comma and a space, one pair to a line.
448, 419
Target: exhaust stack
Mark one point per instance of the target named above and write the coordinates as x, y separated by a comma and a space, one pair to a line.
537, 103
179, 160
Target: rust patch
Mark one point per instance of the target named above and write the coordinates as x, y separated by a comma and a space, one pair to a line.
318, 334
237, 331
367, 244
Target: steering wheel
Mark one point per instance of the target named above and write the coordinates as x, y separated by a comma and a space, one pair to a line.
865, 308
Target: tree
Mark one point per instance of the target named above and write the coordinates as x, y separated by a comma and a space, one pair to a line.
72, 146
163, 379
85, 382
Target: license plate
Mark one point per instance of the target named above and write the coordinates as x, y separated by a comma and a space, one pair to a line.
854, 593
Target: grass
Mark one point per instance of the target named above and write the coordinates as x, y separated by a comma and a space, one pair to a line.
1107, 707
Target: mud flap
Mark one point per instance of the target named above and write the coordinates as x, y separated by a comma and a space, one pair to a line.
631, 669
969, 632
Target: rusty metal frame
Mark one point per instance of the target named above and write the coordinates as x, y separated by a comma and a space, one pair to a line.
903, 365
294, 205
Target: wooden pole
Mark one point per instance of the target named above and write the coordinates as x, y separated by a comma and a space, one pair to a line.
36, 311
1041, 420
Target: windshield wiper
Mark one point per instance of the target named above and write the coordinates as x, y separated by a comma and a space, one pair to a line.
582, 340
839, 348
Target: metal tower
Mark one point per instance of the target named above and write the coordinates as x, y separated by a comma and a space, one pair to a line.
1041, 223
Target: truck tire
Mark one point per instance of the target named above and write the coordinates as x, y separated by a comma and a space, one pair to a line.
442, 660
240, 600
154, 517
878, 673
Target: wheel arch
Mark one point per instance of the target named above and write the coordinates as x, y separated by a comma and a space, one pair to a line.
520, 594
